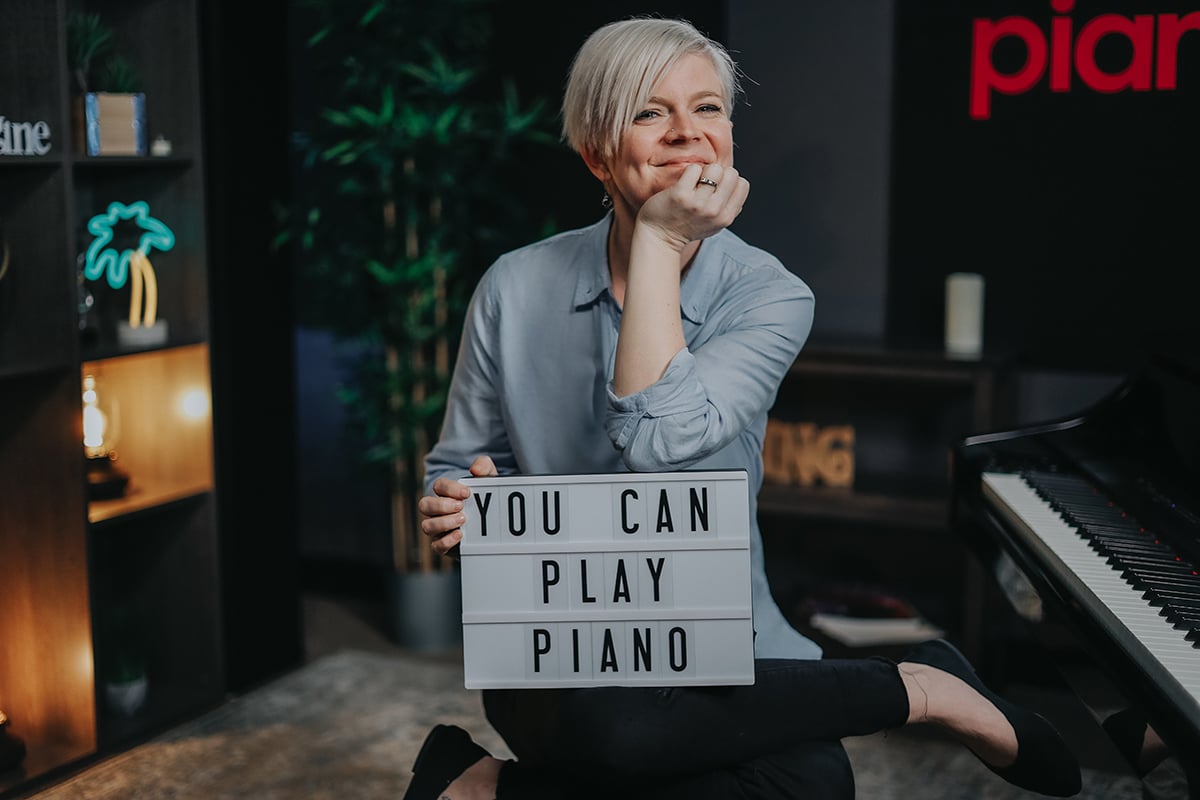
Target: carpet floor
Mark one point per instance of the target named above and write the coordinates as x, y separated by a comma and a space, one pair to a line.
348, 724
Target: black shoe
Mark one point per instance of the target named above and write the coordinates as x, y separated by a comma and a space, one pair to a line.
447, 752
1044, 762
1127, 729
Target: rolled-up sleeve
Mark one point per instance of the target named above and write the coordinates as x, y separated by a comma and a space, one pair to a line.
709, 393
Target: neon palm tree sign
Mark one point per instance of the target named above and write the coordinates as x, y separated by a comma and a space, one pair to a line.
117, 266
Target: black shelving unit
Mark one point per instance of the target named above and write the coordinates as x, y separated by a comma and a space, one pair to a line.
111, 610
889, 529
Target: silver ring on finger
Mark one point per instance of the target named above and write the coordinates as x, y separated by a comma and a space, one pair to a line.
706, 182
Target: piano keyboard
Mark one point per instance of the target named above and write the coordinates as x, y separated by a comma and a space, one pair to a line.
1116, 587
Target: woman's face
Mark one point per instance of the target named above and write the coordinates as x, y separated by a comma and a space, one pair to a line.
684, 121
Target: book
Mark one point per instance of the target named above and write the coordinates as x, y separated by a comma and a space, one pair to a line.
872, 631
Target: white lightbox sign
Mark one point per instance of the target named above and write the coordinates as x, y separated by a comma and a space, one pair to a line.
639, 579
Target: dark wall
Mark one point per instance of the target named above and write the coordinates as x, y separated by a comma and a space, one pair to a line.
871, 180
813, 140
1077, 206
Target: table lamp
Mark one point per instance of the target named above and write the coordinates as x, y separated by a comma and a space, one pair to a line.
105, 479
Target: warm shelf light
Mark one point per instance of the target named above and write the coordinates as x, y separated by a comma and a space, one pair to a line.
194, 404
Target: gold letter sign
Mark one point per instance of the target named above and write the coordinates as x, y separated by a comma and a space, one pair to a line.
805, 454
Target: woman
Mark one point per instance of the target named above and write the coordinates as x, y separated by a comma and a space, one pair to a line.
655, 340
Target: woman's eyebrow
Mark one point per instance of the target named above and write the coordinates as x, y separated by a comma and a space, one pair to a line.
697, 96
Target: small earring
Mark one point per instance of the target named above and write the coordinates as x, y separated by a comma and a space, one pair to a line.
606, 201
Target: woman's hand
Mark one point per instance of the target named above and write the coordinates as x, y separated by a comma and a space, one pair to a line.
705, 199
443, 510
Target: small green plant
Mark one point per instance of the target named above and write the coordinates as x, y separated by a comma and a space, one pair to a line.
119, 75
88, 39
94, 65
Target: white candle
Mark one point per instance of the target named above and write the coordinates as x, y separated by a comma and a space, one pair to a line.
964, 313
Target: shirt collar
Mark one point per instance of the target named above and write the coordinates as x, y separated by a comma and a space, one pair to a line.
696, 293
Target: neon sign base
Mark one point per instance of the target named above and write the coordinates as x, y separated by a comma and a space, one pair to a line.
143, 336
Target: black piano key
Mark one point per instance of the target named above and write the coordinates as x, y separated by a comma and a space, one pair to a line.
1168, 599
1113, 522
1180, 617
1177, 588
1164, 595
1147, 558
1171, 585
1164, 568
1191, 630
1128, 537
1143, 557
1103, 523
1121, 561
1139, 579
1186, 628
1127, 540
1138, 555
1133, 536
1183, 621
1175, 610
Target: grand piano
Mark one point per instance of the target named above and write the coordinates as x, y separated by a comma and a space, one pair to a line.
1100, 512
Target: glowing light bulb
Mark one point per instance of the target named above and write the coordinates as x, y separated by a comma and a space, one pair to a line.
95, 422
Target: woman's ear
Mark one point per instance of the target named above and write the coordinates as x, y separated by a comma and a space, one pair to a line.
596, 165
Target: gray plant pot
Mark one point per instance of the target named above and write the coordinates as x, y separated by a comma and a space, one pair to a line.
427, 610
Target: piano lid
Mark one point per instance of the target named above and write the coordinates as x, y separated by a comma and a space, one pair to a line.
1140, 445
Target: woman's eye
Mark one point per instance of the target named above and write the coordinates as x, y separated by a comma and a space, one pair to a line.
709, 108
647, 114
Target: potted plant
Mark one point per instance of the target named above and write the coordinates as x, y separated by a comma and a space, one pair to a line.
401, 200
110, 108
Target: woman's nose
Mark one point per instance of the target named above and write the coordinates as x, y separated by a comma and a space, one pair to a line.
680, 129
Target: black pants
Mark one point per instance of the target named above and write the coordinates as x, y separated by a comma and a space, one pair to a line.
778, 738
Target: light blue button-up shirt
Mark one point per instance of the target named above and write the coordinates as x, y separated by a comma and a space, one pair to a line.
532, 385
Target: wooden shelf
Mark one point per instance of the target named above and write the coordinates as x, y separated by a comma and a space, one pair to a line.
878, 363
103, 351
847, 505
48, 160
127, 162
144, 495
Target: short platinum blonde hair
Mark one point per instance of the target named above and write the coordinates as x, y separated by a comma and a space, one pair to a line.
618, 66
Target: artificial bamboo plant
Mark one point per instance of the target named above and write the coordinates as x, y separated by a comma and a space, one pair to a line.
401, 201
